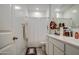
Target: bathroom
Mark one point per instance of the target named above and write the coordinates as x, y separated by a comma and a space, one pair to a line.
39, 29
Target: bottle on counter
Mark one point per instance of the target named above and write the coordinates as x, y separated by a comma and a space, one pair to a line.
61, 31
76, 35
71, 34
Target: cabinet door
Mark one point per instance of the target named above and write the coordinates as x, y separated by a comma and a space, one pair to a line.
59, 44
71, 50
58, 51
50, 48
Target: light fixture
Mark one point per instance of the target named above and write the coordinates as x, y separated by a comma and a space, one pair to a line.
37, 14
37, 8
57, 9
74, 11
17, 7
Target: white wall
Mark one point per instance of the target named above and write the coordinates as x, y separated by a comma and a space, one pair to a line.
6, 36
10, 22
5, 17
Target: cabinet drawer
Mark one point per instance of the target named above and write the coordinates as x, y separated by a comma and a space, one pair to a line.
58, 51
71, 50
58, 44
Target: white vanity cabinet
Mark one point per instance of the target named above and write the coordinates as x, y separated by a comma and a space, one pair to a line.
58, 44
55, 47
58, 47
62, 45
49, 46
71, 50
57, 51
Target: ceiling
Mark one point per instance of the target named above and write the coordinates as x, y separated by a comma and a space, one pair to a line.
29, 8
